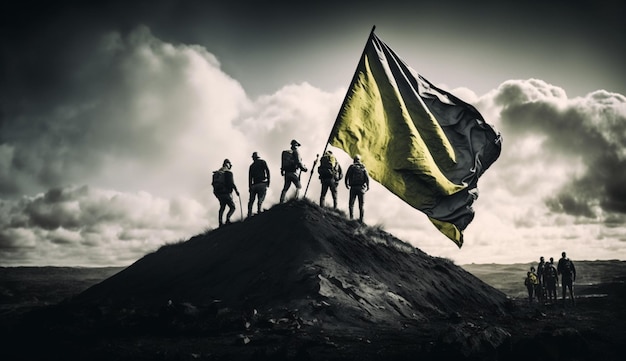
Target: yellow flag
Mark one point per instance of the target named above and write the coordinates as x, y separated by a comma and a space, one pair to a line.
422, 143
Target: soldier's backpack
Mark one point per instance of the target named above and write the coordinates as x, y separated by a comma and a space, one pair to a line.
219, 182
357, 176
258, 171
567, 268
527, 281
288, 161
327, 166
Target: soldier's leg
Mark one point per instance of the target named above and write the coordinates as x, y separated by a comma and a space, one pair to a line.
351, 202
221, 211
296, 181
285, 188
251, 200
333, 193
361, 211
231, 208
261, 196
323, 194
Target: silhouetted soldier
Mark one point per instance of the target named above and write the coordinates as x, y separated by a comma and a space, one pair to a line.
530, 282
290, 164
541, 287
567, 271
223, 186
330, 174
358, 182
550, 280
258, 182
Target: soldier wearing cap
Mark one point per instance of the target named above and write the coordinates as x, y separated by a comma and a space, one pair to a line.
291, 163
258, 181
358, 182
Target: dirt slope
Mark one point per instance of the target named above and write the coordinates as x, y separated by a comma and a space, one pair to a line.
300, 256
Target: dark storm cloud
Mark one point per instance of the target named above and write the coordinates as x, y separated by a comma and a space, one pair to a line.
41, 37
592, 129
131, 100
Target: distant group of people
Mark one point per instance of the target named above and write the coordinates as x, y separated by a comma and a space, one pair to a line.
542, 282
329, 170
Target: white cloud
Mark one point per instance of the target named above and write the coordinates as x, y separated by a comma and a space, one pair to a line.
81, 225
139, 116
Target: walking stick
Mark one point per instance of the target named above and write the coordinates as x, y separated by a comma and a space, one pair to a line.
311, 175
240, 209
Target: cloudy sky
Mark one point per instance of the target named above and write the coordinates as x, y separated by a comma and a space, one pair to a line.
113, 117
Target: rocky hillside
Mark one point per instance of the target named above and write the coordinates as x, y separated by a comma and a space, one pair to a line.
298, 256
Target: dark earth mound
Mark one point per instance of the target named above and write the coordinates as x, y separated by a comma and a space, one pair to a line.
299, 256
302, 282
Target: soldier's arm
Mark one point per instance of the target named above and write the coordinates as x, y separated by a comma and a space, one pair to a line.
232, 181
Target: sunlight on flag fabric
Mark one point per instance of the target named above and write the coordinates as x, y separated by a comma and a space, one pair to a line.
422, 143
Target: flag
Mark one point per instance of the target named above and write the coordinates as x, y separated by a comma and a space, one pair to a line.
422, 143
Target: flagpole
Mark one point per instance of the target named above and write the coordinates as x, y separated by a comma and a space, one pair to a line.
345, 98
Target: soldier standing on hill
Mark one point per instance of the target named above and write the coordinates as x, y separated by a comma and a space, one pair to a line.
290, 164
550, 279
529, 286
531, 283
541, 287
330, 174
223, 186
567, 271
258, 182
358, 182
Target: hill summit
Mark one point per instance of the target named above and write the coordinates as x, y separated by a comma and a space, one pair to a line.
308, 260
